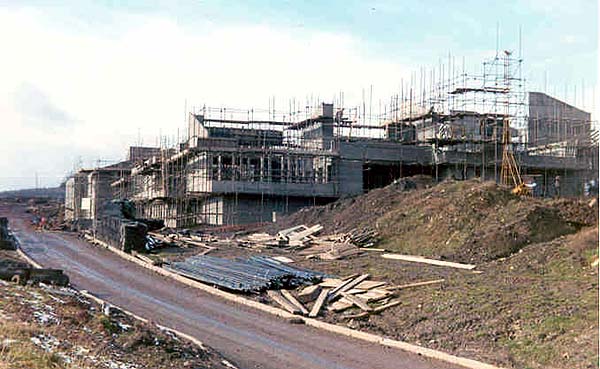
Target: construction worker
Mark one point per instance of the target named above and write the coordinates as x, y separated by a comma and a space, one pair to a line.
557, 186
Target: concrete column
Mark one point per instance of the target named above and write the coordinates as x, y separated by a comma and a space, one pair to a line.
219, 167
262, 168
269, 174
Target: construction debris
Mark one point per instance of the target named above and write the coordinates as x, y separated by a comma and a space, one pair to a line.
299, 234
251, 275
318, 304
309, 293
305, 239
22, 273
362, 237
419, 259
362, 304
345, 286
278, 297
376, 310
179, 239
330, 250
288, 295
7, 240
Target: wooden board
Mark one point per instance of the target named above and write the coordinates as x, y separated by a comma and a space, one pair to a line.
362, 304
318, 304
419, 259
375, 310
288, 295
283, 259
331, 282
347, 285
374, 295
283, 302
309, 293
367, 285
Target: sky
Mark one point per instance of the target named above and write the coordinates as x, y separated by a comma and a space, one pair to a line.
80, 81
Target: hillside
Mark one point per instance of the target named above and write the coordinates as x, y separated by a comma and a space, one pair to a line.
50, 192
531, 303
468, 221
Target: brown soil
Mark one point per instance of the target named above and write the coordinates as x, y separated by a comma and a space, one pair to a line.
467, 221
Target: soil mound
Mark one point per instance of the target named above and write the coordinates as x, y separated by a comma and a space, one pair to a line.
466, 221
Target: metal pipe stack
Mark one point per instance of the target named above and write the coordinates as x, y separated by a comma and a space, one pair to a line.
255, 274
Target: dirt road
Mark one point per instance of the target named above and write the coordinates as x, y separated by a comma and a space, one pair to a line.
250, 338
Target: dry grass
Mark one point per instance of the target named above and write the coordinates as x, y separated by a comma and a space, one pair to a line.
17, 350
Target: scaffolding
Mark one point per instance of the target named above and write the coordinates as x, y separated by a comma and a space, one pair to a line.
252, 164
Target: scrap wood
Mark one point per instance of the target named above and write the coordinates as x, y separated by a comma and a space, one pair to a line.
340, 305
419, 259
318, 304
288, 295
171, 239
283, 259
362, 304
285, 232
309, 293
340, 253
369, 285
331, 282
328, 250
347, 285
283, 302
181, 241
370, 296
416, 284
305, 233
362, 238
376, 310
375, 295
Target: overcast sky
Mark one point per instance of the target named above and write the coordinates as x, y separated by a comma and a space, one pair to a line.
82, 80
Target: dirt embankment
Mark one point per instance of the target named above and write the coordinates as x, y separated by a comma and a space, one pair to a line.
467, 221
59, 328
533, 302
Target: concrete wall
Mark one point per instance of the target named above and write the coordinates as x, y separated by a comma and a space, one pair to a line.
384, 151
350, 177
75, 190
257, 209
551, 120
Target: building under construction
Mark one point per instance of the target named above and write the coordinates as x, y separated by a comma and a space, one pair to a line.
234, 168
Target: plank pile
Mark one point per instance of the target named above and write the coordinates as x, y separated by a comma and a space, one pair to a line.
296, 237
329, 248
338, 294
306, 239
156, 239
261, 240
362, 237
